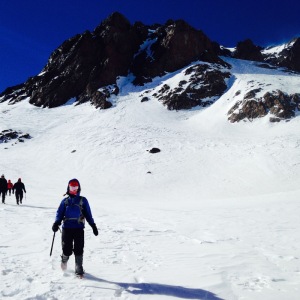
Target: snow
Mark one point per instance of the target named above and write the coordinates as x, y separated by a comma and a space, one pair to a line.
276, 50
231, 49
146, 47
217, 218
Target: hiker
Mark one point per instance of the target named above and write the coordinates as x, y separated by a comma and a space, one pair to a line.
73, 210
19, 187
3, 187
9, 187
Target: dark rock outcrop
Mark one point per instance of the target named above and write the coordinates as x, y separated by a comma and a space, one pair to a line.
83, 64
277, 103
170, 48
9, 134
248, 51
204, 82
86, 65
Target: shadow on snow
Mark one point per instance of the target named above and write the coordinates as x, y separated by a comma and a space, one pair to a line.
157, 289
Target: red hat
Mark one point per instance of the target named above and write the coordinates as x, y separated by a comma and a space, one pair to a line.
19, 179
73, 183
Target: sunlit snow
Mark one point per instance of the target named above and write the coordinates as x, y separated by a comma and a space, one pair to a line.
217, 217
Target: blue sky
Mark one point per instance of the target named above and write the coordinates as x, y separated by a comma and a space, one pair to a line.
30, 30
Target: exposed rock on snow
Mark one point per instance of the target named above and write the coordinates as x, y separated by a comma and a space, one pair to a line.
248, 51
202, 82
154, 150
9, 134
277, 103
145, 99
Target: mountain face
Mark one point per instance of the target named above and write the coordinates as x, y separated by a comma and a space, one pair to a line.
87, 67
93, 60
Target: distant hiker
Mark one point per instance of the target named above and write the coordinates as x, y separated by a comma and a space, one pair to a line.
72, 211
9, 187
3, 188
19, 187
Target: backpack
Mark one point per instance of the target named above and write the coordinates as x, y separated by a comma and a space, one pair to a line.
80, 218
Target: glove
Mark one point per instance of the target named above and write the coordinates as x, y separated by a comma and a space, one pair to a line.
95, 230
55, 227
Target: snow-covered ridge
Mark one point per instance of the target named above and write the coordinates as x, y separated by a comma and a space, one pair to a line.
276, 50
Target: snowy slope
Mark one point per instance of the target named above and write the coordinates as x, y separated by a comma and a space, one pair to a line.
275, 51
217, 217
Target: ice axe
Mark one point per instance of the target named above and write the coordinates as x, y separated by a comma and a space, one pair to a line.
53, 241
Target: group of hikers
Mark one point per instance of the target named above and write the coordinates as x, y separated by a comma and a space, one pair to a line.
72, 211
8, 187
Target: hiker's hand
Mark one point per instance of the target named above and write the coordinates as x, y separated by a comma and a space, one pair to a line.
95, 230
55, 227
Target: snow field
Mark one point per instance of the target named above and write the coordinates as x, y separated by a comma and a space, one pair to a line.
217, 218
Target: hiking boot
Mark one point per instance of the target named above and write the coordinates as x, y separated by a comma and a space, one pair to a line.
21, 202
64, 261
78, 265
18, 203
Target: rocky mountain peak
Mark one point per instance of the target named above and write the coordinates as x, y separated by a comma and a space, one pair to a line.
116, 20
248, 51
86, 68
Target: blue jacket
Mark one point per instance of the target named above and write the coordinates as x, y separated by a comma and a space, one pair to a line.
72, 210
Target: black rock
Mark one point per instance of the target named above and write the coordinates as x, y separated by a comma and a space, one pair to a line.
145, 99
273, 120
154, 150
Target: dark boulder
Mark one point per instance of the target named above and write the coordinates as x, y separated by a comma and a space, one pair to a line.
145, 99
154, 150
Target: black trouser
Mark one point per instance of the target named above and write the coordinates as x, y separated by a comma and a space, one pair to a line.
19, 196
3, 195
70, 235
9, 191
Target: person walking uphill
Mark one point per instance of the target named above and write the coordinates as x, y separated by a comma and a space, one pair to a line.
19, 187
9, 186
3, 187
73, 210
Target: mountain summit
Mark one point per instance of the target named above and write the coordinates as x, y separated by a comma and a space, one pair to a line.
87, 67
